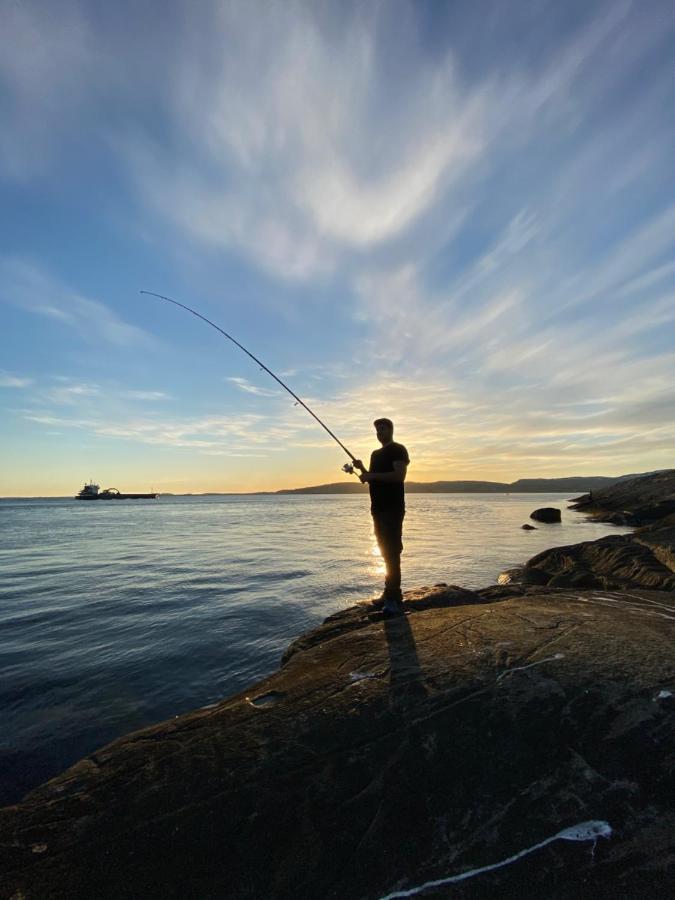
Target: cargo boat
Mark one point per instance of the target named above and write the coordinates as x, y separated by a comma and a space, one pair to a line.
93, 491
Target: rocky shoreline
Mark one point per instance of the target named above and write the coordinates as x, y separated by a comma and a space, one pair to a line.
642, 559
450, 744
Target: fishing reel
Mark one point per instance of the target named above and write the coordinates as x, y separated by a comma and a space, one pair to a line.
348, 468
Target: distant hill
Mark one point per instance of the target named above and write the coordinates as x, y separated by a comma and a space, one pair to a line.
580, 484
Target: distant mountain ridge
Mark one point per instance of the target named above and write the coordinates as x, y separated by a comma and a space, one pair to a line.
522, 485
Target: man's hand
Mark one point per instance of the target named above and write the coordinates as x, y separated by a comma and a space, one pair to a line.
399, 473
358, 465
364, 477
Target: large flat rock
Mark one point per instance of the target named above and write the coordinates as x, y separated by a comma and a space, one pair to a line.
384, 754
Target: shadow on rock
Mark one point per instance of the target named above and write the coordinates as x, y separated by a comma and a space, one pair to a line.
406, 678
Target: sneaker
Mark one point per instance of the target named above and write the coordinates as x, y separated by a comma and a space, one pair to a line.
392, 608
377, 602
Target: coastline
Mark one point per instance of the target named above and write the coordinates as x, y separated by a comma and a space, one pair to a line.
541, 701
565, 484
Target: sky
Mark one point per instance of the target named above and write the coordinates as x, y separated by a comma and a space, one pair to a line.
459, 215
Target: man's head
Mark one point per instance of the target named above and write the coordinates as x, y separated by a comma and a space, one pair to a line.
384, 428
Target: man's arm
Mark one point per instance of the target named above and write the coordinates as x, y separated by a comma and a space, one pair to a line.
399, 473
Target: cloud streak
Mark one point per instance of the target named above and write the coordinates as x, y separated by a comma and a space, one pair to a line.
26, 284
14, 381
244, 385
292, 156
46, 64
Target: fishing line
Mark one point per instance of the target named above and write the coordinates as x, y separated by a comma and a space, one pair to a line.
262, 366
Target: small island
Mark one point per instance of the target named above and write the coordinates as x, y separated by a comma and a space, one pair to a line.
384, 754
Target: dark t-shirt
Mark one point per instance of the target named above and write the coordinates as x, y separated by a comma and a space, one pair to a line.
387, 496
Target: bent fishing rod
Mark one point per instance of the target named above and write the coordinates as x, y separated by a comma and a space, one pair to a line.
347, 467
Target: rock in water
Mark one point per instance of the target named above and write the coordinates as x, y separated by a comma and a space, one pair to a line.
395, 753
546, 514
527, 527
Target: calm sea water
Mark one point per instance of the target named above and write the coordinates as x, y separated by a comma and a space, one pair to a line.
115, 615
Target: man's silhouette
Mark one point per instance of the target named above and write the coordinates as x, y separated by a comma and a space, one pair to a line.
385, 478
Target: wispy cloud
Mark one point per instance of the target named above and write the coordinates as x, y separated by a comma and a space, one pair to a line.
146, 395
14, 381
26, 284
235, 435
301, 142
47, 65
244, 385
71, 394
291, 153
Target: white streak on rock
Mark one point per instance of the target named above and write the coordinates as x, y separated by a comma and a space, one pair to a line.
584, 831
652, 602
537, 663
631, 607
359, 676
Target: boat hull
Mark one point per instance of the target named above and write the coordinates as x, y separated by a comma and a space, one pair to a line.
104, 496
127, 496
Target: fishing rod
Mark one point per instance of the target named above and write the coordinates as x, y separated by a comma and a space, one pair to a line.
347, 467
